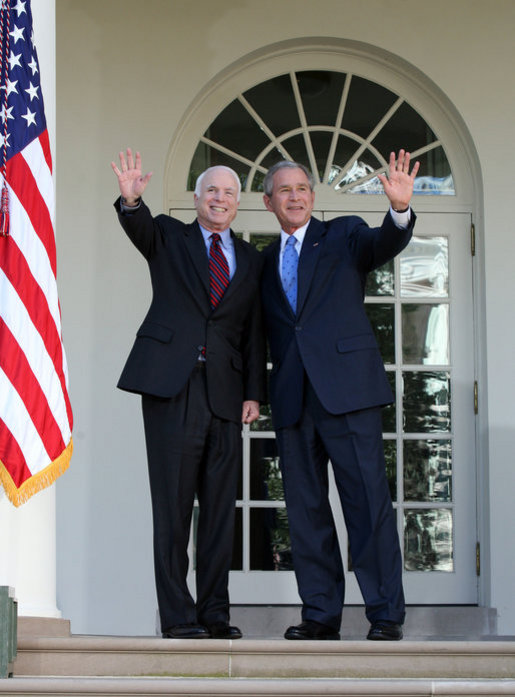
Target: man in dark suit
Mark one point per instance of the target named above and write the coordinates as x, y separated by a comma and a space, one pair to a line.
199, 363
327, 387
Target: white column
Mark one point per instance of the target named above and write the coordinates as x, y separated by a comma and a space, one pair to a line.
27, 533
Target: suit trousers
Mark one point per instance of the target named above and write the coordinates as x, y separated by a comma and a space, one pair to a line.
190, 451
353, 444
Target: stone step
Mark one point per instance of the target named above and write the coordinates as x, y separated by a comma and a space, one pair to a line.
224, 687
88, 656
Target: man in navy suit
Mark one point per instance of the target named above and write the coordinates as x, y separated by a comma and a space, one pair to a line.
199, 363
327, 387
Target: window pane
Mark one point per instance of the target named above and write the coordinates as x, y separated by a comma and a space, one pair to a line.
260, 241
264, 421
321, 142
321, 93
382, 320
274, 102
427, 470
367, 103
434, 176
206, 156
390, 458
270, 547
389, 421
425, 267
405, 129
381, 281
265, 476
428, 540
427, 402
296, 146
425, 334
235, 129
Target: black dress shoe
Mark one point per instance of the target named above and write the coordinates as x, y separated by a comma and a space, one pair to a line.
223, 630
312, 630
186, 631
385, 630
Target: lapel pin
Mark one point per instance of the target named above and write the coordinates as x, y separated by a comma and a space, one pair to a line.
315, 244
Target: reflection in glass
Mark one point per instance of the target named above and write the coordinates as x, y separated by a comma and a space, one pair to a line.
434, 177
381, 281
390, 458
427, 402
270, 547
265, 476
260, 241
428, 540
381, 318
389, 421
425, 334
425, 267
427, 470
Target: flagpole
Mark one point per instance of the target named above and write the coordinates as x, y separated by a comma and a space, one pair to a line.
28, 533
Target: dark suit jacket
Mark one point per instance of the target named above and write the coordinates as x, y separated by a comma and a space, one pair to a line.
330, 338
180, 319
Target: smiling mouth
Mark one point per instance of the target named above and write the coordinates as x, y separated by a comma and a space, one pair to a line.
216, 209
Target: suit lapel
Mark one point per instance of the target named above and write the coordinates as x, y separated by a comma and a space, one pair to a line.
308, 260
197, 251
242, 267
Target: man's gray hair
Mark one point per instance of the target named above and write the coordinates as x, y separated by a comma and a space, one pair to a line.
268, 182
200, 177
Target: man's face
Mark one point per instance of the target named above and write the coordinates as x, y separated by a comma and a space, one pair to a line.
217, 203
291, 199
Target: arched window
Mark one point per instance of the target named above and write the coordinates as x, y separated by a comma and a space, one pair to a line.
341, 126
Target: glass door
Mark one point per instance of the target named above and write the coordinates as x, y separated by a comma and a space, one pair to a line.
420, 306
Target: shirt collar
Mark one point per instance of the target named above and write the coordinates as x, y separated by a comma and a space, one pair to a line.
225, 236
299, 235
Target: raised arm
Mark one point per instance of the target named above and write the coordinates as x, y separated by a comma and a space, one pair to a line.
131, 183
398, 186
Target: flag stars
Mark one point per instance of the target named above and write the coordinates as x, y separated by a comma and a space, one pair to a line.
5, 141
14, 60
32, 91
20, 7
33, 65
6, 113
11, 87
30, 117
17, 34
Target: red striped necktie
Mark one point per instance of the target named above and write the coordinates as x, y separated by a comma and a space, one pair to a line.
218, 270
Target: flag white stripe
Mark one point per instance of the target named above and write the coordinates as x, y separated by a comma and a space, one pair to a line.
35, 255
35, 158
28, 338
18, 421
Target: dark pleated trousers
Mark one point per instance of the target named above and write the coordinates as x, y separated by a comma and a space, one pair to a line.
190, 451
353, 444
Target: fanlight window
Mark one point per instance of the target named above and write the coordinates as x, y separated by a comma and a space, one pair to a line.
341, 126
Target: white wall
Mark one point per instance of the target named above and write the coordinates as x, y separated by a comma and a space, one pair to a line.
127, 72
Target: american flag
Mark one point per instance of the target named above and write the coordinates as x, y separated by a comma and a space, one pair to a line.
35, 411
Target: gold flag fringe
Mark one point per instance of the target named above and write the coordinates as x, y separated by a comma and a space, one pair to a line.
38, 481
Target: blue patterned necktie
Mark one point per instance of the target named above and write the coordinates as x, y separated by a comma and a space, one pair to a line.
289, 271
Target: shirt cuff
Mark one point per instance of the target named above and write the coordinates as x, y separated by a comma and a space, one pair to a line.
401, 220
128, 209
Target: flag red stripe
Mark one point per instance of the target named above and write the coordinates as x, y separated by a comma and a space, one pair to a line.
18, 272
16, 366
12, 456
25, 187
45, 145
